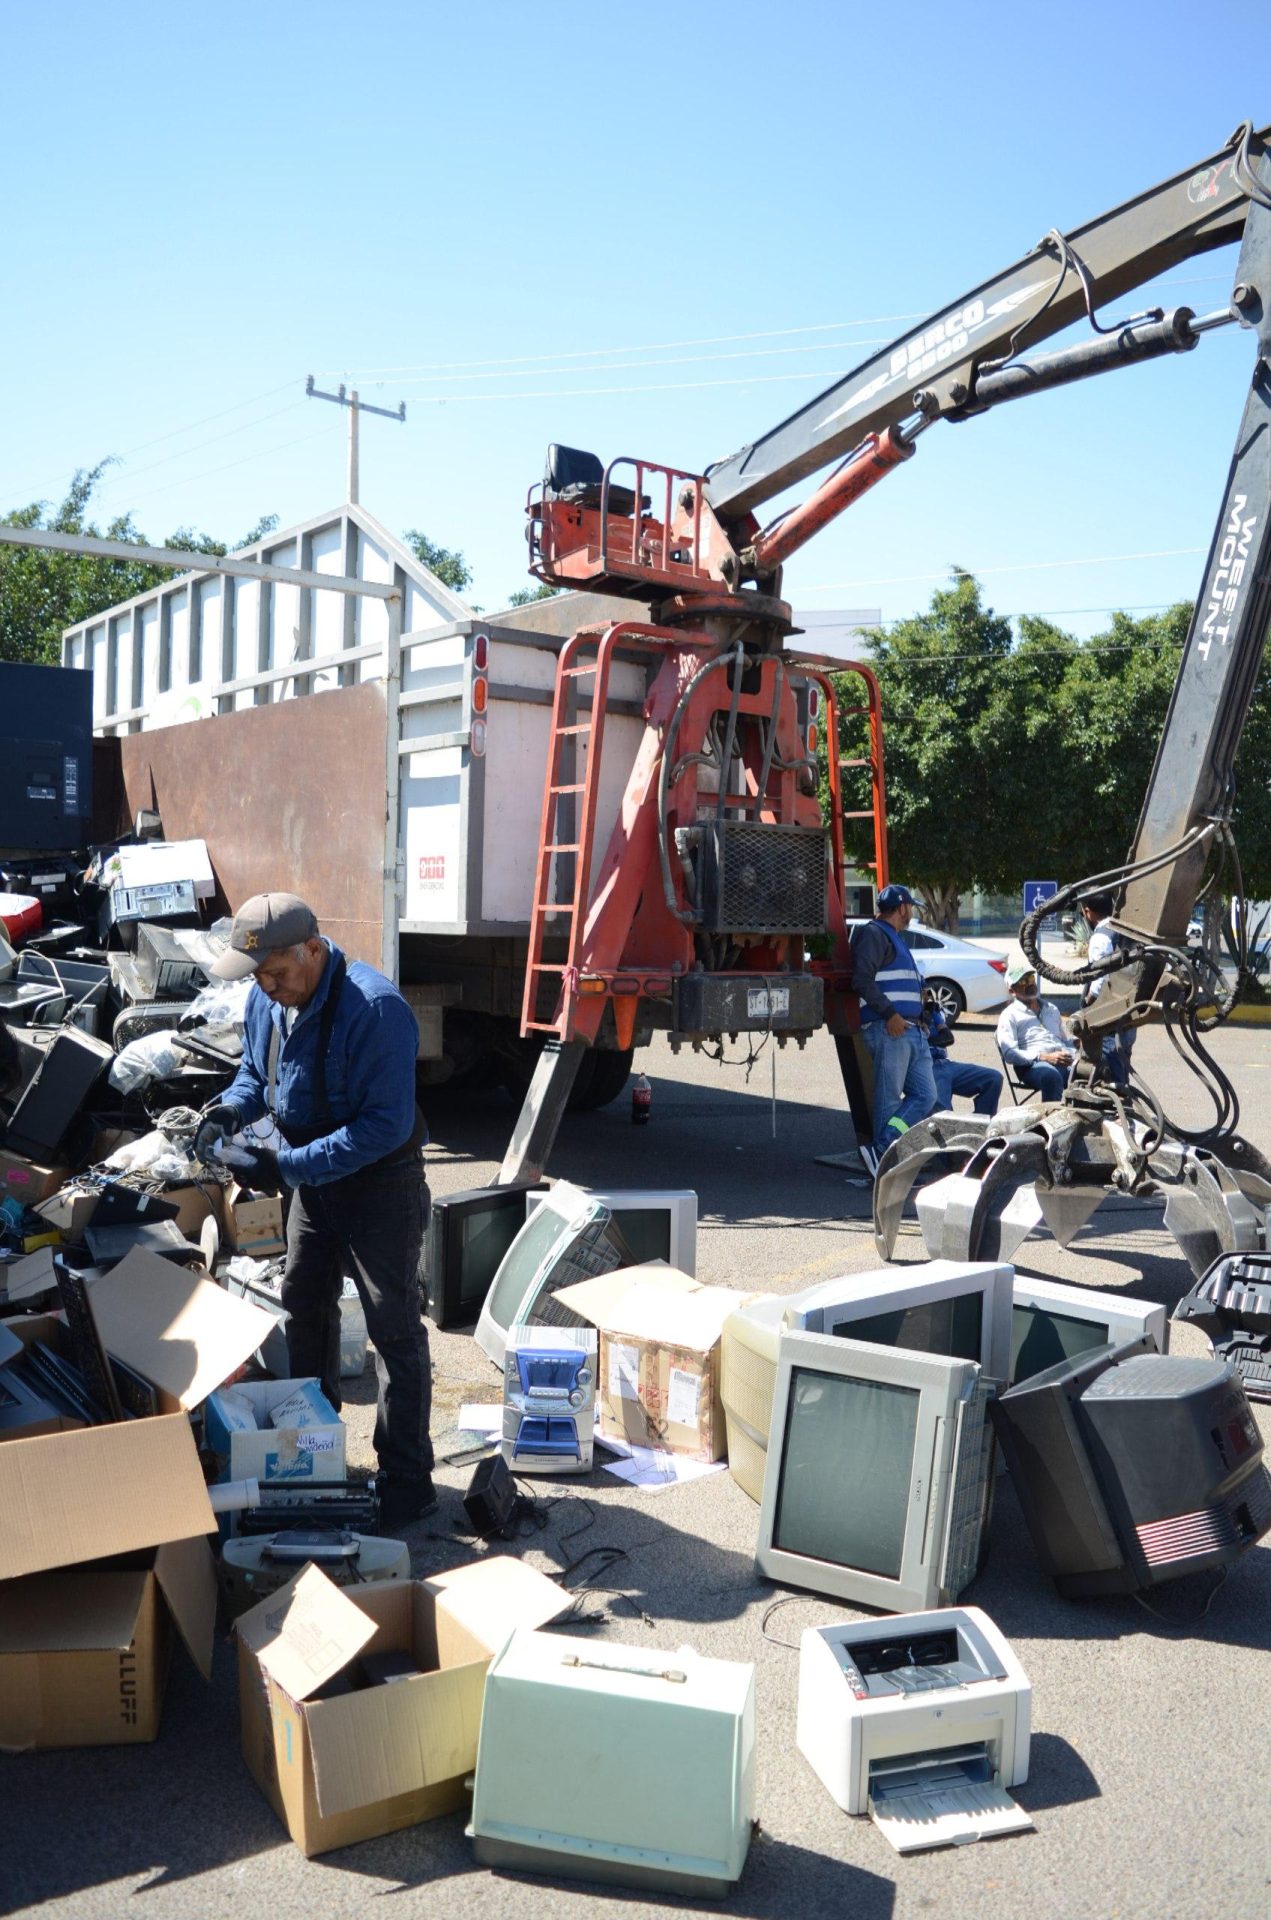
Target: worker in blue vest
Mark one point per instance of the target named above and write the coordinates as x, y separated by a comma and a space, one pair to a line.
886, 978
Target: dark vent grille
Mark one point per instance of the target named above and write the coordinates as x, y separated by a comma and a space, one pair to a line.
756, 878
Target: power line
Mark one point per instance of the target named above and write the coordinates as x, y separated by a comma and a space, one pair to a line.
262, 453
584, 393
665, 346
621, 366
133, 473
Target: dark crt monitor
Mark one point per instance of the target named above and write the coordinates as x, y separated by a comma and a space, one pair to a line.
1134, 1467
953, 1327
1051, 1321
468, 1235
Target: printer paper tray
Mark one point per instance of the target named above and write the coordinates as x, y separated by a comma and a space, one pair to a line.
943, 1812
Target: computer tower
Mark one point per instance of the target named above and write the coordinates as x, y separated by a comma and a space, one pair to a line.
46, 780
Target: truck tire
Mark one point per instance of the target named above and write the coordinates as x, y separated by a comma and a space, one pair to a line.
145, 1016
609, 1075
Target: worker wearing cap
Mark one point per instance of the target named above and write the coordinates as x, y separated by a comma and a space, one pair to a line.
1030, 1034
329, 1048
1096, 910
885, 975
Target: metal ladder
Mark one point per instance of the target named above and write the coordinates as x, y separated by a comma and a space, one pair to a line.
571, 738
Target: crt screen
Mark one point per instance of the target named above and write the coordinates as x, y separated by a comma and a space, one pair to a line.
951, 1326
545, 1231
646, 1230
1041, 1339
484, 1237
846, 1466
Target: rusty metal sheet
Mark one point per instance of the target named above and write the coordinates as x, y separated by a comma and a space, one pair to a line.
289, 798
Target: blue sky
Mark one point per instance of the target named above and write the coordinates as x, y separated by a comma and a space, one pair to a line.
650, 231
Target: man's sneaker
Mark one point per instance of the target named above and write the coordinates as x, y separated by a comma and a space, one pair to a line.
404, 1502
871, 1157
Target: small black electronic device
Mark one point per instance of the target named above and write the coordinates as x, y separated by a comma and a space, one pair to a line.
491, 1499
71, 1067
86, 1342
351, 1505
46, 757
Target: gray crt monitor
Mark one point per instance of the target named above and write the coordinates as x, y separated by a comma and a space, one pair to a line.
1051, 1322
569, 1236
959, 1308
876, 1482
657, 1223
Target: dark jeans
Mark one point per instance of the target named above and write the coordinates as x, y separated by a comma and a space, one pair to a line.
1048, 1079
370, 1225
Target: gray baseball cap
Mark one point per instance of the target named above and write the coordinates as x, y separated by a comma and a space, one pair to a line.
266, 921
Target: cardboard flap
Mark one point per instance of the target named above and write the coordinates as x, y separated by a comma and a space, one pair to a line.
66, 1497
179, 1329
11, 1348
187, 1573
492, 1597
34, 1273
598, 1300
70, 1612
305, 1633
387, 1741
674, 1318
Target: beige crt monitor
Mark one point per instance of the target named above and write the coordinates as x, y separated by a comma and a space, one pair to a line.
958, 1308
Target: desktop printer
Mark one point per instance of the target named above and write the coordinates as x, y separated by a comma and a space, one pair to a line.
921, 1720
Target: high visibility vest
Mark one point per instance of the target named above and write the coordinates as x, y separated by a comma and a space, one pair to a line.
901, 981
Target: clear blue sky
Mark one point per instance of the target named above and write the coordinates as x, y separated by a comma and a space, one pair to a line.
649, 231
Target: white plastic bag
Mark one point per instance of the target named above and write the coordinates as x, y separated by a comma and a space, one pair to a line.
221, 1003
153, 1057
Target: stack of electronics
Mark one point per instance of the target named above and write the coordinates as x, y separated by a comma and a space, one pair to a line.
61, 1372
1132, 1466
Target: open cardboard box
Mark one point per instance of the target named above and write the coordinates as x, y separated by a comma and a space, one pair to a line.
369, 1762
659, 1356
84, 1649
178, 1328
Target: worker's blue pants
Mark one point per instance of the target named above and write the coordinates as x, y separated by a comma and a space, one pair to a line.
904, 1085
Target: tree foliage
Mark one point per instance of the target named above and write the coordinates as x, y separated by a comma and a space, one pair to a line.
1008, 759
42, 592
526, 596
447, 563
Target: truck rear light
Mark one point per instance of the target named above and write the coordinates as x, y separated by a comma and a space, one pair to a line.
812, 739
481, 652
476, 738
480, 694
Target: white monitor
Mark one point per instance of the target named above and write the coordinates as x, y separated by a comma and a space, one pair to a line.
569, 1236
1051, 1322
657, 1223
958, 1308
877, 1479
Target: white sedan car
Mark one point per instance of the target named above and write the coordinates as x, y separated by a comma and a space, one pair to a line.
959, 973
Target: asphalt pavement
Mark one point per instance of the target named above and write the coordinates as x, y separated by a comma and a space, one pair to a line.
1147, 1783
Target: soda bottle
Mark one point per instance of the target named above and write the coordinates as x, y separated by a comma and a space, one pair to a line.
641, 1101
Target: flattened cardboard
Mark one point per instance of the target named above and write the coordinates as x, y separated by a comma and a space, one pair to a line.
178, 1328
67, 1497
387, 1757
29, 1279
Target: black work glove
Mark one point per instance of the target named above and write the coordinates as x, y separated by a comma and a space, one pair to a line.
255, 1167
218, 1121
942, 1037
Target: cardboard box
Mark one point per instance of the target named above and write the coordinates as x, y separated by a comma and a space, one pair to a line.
71, 1210
256, 1225
179, 1329
659, 1357
27, 1180
371, 1762
273, 1453
84, 1651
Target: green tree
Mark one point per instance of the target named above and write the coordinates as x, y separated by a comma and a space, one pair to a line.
526, 596
447, 563
42, 592
938, 675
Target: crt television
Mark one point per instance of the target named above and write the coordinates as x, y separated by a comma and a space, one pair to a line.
961, 1309
571, 1235
1134, 1467
468, 1235
876, 1488
1051, 1322
657, 1223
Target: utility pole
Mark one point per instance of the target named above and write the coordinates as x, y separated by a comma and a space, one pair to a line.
355, 407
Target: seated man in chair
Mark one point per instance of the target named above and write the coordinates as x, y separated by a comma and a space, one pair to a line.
1030, 1035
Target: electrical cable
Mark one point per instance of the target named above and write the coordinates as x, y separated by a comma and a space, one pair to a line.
1189, 1625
